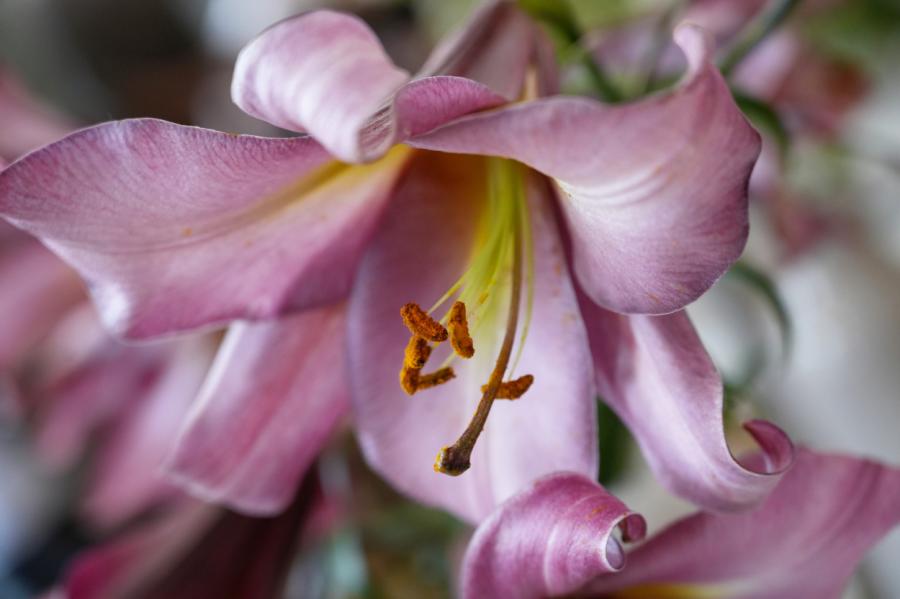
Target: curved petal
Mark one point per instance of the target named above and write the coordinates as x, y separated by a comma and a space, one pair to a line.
36, 290
417, 255
654, 372
549, 540
326, 73
275, 394
656, 190
178, 227
804, 542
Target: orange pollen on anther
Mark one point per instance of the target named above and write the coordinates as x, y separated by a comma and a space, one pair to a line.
438, 377
421, 324
417, 353
414, 359
409, 379
459, 331
512, 389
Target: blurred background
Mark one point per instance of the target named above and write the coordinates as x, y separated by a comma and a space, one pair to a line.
806, 329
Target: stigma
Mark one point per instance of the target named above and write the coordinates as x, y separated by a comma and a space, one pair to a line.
499, 257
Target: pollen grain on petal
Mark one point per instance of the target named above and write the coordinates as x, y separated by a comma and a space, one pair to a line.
460, 338
513, 389
420, 323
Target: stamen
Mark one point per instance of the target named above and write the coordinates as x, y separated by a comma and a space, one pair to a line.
438, 377
512, 389
409, 379
421, 324
455, 459
417, 353
459, 331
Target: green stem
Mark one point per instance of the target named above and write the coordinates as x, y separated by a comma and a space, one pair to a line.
758, 30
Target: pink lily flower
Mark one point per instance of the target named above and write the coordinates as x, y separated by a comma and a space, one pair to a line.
804, 541
456, 184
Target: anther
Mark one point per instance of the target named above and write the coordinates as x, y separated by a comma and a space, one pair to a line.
459, 331
438, 377
421, 324
409, 379
512, 389
417, 353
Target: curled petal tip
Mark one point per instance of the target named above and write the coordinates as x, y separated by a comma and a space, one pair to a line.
696, 42
777, 448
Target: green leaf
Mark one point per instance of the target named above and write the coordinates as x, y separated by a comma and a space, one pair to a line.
615, 444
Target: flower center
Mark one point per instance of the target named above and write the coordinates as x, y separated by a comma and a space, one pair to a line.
503, 251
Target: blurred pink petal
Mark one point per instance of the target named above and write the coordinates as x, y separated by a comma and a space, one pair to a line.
126, 474
413, 260
326, 73
275, 394
25, 124
178, 227
193, 550
656, 375
37, 290
85, 398
551, 539
803, 542
655, 209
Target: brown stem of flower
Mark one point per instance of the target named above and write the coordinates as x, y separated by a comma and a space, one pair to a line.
455, 459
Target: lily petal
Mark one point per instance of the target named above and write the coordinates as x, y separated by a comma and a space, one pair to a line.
418, 254
656, 191
179, 227
654, 372
549, 540
326, 73
804, 542
276, 392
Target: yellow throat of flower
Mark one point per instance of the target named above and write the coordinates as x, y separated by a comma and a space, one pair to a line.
502, 251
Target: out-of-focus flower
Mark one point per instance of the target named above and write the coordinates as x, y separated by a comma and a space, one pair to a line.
177, 228
120, 406
194, 550
803, 542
